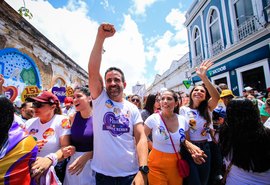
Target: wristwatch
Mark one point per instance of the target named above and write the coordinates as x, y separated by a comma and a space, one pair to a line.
144, 169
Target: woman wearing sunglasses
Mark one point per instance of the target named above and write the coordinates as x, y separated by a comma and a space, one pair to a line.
136, 100
51, 131
79, 167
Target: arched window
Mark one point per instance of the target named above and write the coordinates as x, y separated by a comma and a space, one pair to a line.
215, 41
197, 42
214, 27
197, 48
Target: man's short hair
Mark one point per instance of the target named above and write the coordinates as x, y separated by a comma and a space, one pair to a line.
223, 86
24, 104
115, 69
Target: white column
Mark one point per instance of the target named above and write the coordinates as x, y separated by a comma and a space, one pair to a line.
204, 38
227, 33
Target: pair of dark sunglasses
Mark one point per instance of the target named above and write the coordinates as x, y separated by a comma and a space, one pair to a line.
39, 104
135, 100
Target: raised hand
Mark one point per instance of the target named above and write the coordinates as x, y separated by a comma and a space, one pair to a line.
106, 30
202, 70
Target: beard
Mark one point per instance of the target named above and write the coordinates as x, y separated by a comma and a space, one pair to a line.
114, 91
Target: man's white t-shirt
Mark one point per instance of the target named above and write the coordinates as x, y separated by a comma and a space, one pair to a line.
51, 131
160, 135
114, 143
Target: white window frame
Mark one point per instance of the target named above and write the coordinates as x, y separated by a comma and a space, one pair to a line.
257, 11
262, 63
208, 27
226, 75
193, 44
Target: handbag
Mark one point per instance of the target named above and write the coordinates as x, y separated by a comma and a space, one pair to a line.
182, 165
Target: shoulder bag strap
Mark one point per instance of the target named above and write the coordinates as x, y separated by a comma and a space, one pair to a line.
169, 135
223, 181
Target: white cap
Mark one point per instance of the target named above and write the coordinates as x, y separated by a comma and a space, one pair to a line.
248, 88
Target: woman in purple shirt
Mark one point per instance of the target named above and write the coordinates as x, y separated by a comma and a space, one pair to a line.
79, 167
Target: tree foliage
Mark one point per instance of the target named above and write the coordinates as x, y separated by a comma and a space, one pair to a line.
25, 12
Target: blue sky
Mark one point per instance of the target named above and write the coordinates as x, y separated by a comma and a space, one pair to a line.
150, 33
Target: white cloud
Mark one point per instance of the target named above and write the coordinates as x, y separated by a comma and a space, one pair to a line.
78, 5
176, 18
107, 6
73, 32
139, 6
170, 46
126, 51
70, 29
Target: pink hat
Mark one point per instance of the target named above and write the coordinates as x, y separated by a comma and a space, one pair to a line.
46, 97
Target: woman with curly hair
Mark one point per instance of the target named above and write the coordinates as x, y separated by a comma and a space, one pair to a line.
245, 144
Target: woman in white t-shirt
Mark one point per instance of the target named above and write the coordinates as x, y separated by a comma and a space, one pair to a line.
162, 159
245, 143
203, 100
51, 131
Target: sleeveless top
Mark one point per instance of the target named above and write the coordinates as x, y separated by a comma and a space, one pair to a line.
82, 133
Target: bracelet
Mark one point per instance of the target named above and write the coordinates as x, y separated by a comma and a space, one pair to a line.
53, 158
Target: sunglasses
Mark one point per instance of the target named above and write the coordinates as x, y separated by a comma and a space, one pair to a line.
39, 104
135, 100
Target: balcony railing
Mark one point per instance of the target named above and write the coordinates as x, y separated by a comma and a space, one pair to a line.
250, 26
216, 48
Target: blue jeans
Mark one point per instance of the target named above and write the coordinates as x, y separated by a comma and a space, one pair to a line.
108, 180
199, 174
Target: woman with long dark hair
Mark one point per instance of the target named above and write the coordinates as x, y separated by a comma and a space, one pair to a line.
245, 144
164, 125
79, 167
203, 99
152, 105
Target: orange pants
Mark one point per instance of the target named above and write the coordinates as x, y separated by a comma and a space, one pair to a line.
163, 169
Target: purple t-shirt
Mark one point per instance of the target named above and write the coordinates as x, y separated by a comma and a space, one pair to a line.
82, 133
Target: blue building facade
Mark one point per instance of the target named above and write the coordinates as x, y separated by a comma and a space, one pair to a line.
235, 35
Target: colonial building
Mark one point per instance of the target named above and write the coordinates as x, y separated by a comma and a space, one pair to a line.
28, 58
235, 35
139, 89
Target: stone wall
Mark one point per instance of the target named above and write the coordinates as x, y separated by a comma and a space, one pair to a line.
52, 63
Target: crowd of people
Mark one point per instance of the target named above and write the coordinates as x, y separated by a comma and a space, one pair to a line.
103, 137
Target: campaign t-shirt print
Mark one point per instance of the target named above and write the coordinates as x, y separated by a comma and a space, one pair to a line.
116, 122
